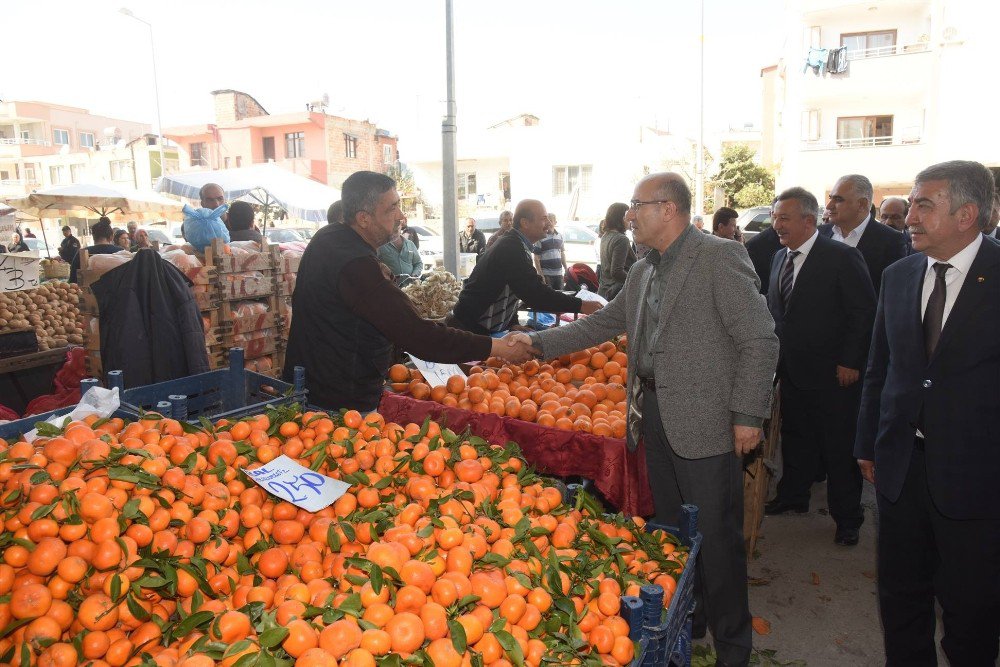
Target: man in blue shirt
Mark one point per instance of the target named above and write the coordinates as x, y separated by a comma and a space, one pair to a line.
550, 255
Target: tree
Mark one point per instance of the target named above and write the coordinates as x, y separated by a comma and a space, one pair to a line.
744, 181
407, 188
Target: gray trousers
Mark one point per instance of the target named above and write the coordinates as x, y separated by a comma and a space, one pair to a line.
715, 485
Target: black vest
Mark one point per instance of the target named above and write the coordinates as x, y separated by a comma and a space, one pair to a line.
346, 359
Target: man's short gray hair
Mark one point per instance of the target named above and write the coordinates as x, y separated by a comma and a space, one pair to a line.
810, 206
862, 186
361, 191
968, 183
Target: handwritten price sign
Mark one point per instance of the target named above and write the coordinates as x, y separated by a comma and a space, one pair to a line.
297, 484
18, 272
436, 374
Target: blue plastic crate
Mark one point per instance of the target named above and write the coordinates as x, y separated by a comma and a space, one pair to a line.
228, 393
667, 643
15, 429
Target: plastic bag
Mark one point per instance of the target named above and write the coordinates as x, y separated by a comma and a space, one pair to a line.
101, 264
97, 401
201, 225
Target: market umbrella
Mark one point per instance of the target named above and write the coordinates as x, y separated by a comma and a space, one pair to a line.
267, 184
82, 200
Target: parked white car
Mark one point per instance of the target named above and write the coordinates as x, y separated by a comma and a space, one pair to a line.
431, 246
580, 243
753, 221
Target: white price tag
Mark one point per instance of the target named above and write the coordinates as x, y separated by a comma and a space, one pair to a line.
18, 271
297, 484
436, 374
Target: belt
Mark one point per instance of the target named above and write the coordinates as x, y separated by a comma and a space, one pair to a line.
647, 384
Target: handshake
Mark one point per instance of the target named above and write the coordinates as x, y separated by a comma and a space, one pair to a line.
515, 347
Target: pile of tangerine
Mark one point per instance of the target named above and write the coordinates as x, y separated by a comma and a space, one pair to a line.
144, 543
584, 391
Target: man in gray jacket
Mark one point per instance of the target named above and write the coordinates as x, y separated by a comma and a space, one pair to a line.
702, 354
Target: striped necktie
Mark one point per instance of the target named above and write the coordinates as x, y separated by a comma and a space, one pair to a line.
787, 280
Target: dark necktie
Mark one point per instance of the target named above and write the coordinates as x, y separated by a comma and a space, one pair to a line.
934, 315
787, 280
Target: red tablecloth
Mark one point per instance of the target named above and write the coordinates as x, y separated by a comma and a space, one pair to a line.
617, 473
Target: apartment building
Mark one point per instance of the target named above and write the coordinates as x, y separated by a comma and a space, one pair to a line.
44, 144
882, 88
902, 92
311, 143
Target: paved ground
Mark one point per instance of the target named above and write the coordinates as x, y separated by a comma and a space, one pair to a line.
819, 597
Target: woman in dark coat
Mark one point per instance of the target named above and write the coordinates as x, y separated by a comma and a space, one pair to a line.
617, 255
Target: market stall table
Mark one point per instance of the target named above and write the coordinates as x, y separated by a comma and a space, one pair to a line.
620, 475
24, 377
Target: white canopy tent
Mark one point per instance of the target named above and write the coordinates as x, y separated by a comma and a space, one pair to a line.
266, 184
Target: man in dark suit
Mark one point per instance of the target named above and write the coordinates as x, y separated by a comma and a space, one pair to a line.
761, 249
851, 222
927, 435
991, 229
823, 306
892, 212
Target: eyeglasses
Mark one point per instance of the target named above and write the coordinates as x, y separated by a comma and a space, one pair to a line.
634, 204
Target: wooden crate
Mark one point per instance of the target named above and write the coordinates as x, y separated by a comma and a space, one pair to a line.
230, 322
758, 475
226, 262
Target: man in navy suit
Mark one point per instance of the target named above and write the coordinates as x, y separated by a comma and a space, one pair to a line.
927, 431
851, 222
823, 305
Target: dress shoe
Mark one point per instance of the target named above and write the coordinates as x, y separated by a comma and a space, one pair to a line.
846, 537
778, 506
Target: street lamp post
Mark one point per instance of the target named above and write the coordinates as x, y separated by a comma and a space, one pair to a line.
156, 84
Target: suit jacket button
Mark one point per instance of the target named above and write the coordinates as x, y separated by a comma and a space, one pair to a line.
927, 384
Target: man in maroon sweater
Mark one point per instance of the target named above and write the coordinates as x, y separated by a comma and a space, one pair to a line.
347, 313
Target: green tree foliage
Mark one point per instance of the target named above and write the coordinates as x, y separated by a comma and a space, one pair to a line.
744, 181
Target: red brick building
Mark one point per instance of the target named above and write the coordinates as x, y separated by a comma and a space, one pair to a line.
311, 143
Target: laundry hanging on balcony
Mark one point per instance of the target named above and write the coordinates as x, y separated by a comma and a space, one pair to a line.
836, 62
817, 59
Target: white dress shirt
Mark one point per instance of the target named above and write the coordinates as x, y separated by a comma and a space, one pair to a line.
800, 259
854, 235
954, 278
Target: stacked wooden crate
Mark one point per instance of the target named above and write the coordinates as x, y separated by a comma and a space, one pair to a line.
249, 313
288, 269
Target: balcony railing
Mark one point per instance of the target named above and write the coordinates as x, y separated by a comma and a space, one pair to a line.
14, 141
861, 142
883, 51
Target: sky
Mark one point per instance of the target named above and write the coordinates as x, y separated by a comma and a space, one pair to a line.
579, 62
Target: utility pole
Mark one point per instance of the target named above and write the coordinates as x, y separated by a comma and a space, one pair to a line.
699, 187
449, 225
